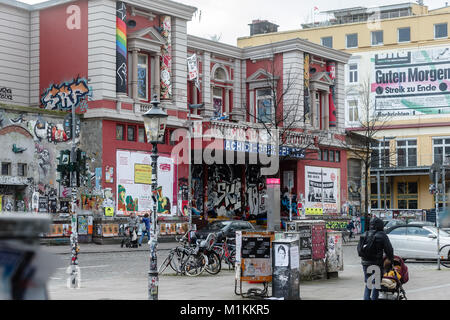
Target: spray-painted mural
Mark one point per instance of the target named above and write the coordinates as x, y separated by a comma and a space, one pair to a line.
256, 191
224, 191
67, 95
33, 141
226, 194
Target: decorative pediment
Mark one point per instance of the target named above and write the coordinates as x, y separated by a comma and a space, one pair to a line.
147, 38
261, 75
149, 33
322, 77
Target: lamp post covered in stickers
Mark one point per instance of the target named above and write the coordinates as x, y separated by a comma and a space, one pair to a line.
155, 121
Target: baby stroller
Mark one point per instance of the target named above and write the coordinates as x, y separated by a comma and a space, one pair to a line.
129, 238
395, 276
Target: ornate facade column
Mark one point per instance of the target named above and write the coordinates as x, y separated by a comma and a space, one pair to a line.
156, 72
207, 91
227, 101
134, 74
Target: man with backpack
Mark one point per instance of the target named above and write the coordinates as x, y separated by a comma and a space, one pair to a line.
371, 247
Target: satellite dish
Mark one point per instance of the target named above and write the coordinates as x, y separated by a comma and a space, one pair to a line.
131, 23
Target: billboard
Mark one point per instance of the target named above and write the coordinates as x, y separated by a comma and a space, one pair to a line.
411, 82
322, 186
133, 184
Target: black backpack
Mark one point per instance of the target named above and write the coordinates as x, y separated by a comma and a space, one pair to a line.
366, 246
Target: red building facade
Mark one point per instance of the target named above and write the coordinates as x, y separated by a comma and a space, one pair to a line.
109, 58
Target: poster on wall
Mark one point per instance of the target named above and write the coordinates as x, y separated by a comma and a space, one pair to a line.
322, 189
43, 204
411, 82
133, 184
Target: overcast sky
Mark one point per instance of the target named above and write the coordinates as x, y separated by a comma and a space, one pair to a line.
229, 19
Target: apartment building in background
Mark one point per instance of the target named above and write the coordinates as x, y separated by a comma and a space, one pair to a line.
401, 57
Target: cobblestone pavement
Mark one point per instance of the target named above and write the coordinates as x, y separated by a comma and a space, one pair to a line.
119, 273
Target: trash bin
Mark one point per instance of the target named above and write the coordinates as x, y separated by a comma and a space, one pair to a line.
24, 266
285, 269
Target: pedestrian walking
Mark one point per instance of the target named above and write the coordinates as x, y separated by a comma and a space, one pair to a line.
371, 247
350, 227
133, 224
145, 228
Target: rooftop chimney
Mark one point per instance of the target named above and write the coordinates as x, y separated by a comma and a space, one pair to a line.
262, 26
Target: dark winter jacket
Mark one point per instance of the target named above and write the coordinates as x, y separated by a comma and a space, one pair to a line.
381, 241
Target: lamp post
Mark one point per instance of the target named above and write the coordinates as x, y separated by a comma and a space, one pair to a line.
74, 269
155, 121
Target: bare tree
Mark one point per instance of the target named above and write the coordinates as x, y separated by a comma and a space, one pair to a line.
365, 135
279, 107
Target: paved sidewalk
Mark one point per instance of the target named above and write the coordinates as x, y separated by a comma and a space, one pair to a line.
86, 248
89, 248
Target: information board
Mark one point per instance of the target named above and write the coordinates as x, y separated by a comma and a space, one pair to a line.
305, 242
255, 255
318, 241
255, 247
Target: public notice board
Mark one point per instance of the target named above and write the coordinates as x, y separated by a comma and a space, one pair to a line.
305, 242
256, 247
318, 241
254, 255
43, 204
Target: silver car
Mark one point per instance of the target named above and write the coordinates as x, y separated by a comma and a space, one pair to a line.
416, 241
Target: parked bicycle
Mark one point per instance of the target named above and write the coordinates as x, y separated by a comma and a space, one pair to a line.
207, 247
188, 258
227, 251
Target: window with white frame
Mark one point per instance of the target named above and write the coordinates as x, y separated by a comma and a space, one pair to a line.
264, 105
353, 73
440, 30
352, 40
377, 38
353, 111
407, 153
327, 42
380, 154
441, 150
142, 75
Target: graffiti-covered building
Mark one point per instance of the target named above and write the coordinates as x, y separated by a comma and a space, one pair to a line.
108, 58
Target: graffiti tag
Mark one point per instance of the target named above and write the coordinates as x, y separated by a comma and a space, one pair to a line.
65, 96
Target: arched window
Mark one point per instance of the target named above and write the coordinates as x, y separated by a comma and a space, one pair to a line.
220, 74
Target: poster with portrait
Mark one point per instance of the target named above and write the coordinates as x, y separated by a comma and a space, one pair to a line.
281, 255
133, 183
322, 189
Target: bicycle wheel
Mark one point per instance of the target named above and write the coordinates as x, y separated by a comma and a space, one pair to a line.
177, 261
195, 264
445, 262
220, 251
166, 262
214, 263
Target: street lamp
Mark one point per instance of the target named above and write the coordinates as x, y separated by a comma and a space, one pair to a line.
155, 121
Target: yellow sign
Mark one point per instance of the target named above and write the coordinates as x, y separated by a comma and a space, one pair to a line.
1, 203
143, 174
314, 211
109, 211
